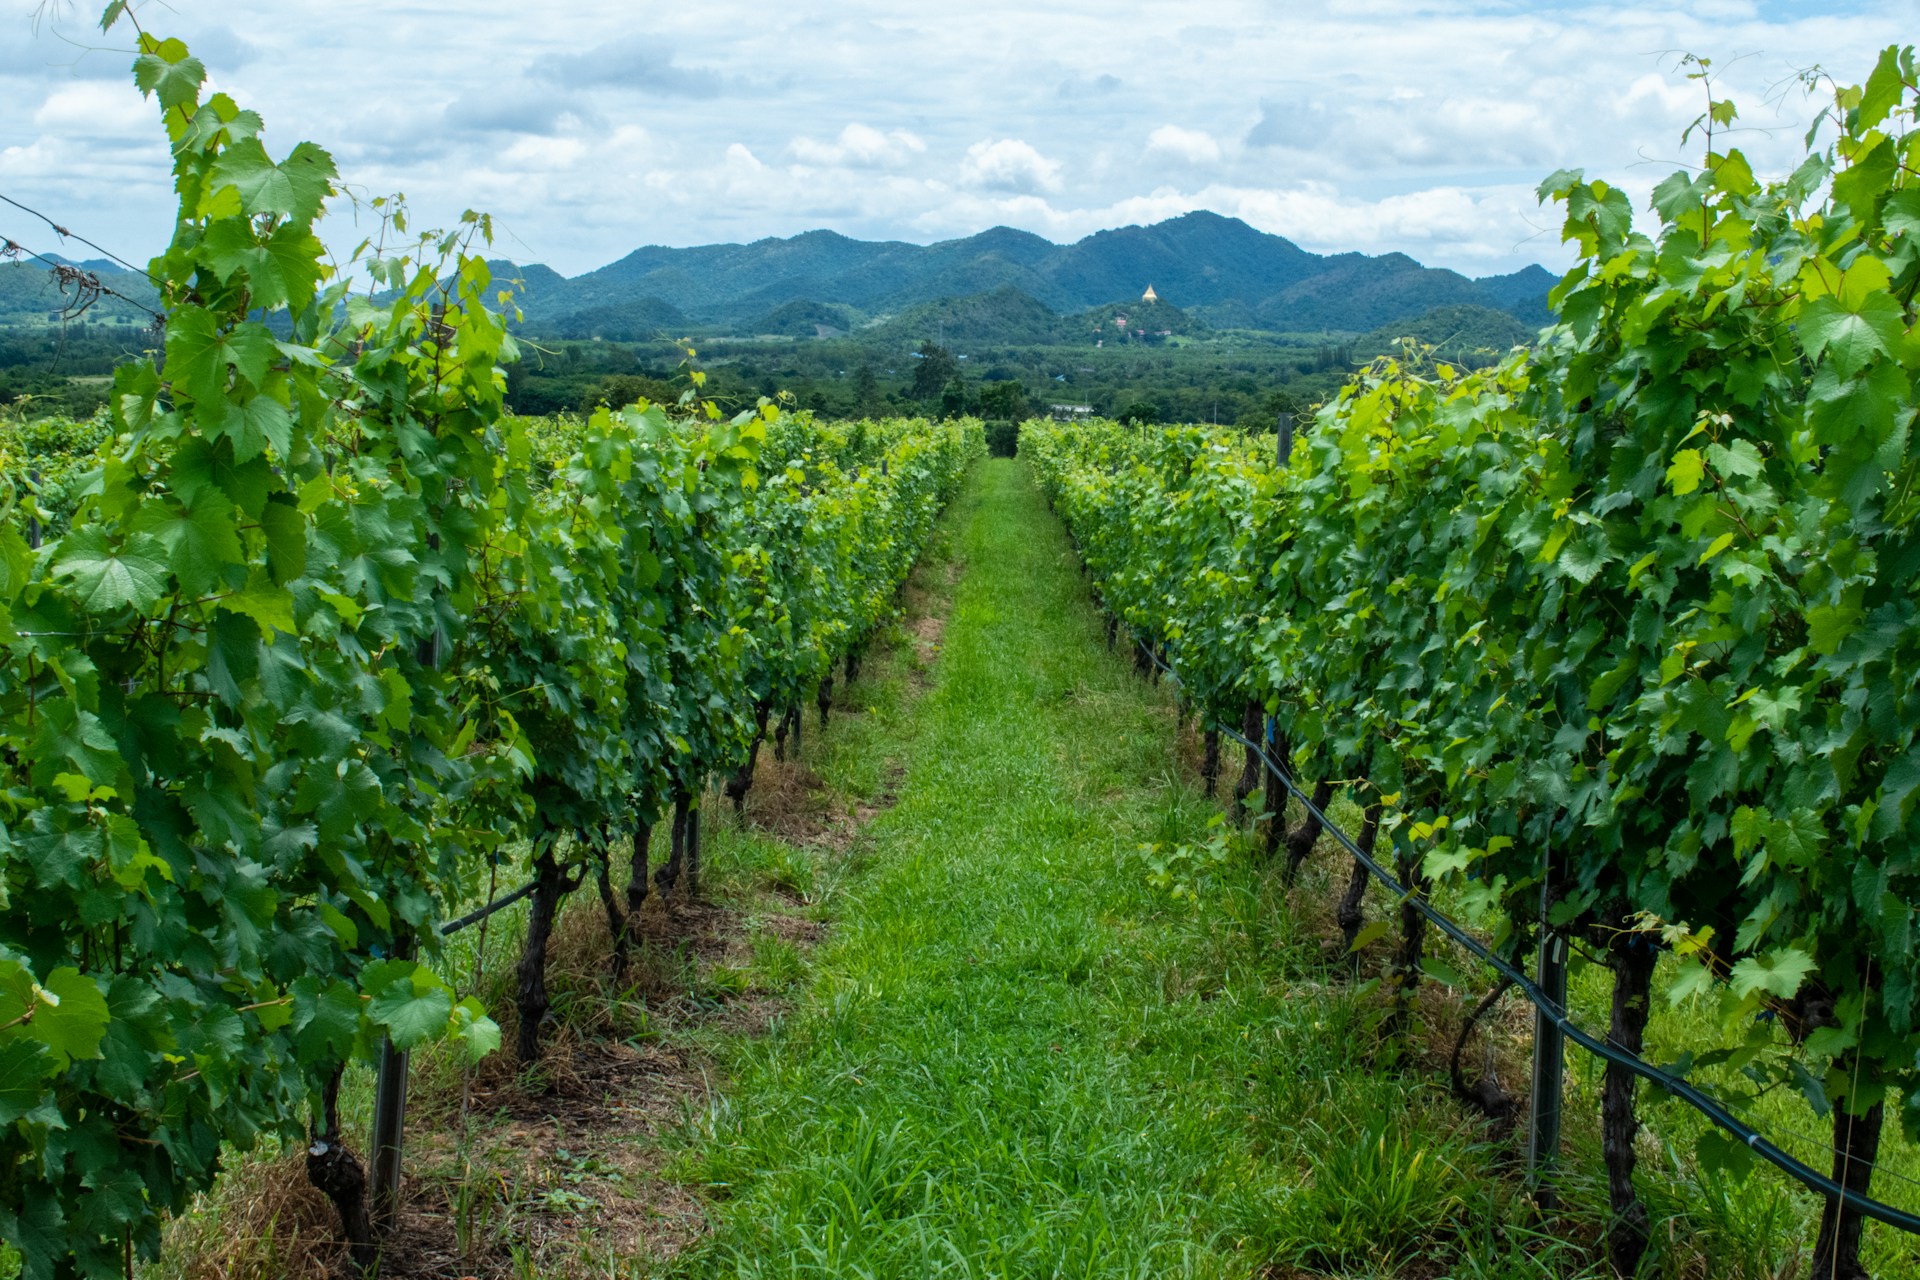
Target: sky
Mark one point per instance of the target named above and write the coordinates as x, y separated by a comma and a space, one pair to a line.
590, 129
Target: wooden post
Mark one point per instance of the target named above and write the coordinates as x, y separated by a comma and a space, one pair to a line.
1283, 444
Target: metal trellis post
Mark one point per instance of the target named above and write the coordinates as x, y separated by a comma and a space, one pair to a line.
693, 851
390, 1087
33, 522
389, 1127
1549, 1062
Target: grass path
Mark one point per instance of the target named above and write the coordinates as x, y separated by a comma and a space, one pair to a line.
1015, 1058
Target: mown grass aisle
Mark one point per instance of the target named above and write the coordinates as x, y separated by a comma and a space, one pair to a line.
1016, 1058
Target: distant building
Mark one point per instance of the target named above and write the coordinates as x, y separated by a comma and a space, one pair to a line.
1070, 410
1149, 295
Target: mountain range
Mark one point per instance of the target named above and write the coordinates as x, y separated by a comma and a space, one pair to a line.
1209, 271
30, 295
1220, 270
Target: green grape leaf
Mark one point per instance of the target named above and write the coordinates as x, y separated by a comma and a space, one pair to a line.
200, 354
1850, 337
68, 735
479, 1033
231, 247
1740, 458
1680, 194
1369, 935
1733, 174
1779, 973
256, 422
201, 543
1883, 90
118, 1195
1901, 214
409, 1014
1444, 973
293, 188
25, 1066
1841, 408
338, 923
286, 533
72, 1023
282, 270
1690, 981
169, 73
1720, 1151
270, 607
1688, 469
1583, 558
109, 578
326, 1020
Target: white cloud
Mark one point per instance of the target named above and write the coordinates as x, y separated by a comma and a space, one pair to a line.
1188, 146
640, 64
1008, 164
96, 110
861, 146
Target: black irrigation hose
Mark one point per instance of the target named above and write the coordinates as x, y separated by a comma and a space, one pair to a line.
452, 927
1805, 1174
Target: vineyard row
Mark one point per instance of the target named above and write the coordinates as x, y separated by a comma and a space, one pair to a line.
310, 640
1617, 640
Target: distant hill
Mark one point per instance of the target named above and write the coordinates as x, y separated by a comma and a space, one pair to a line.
1223, 270
1465, 335
804, 320
1359, 292
1005, 315
29, 294
1013, 317
1524, 293
1135, 319
555, 308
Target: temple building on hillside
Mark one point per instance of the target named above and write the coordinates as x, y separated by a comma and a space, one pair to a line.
1149, 295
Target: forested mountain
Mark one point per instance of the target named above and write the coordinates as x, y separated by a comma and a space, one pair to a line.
1226, 273
31, 294
1209, 272
1468, 335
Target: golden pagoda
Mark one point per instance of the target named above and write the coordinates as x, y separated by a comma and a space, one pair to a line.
1149, 295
